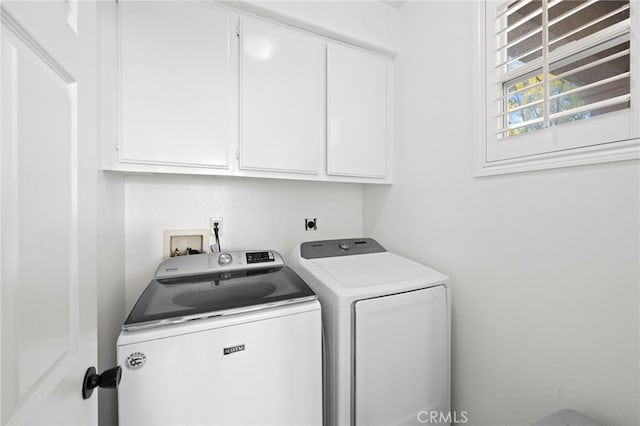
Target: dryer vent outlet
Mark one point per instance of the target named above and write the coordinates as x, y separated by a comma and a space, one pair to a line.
311, 224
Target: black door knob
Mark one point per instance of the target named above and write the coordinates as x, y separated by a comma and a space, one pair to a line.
108, 379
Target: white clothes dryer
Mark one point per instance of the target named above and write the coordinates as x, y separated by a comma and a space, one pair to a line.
387, 334
222, 339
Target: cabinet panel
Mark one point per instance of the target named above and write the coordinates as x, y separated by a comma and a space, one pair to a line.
357, 113
282, 92
177, 83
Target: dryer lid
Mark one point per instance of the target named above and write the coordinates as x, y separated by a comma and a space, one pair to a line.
179, 299
375, 269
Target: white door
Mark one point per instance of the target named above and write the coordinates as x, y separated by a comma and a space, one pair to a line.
402, 357
47, 211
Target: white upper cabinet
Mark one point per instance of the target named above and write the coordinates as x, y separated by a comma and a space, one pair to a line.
358, 113
282, 98
177, 84
202, 88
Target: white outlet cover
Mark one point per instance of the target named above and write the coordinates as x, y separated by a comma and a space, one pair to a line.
212, 221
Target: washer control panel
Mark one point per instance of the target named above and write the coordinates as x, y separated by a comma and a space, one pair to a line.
260, 257
218, 262
344, 247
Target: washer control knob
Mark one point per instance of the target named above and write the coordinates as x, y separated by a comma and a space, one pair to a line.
343, 246
224, 259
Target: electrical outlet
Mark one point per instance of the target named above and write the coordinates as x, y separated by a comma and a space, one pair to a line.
212, 222
311, 224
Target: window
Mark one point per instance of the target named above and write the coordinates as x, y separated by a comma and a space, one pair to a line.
561, 81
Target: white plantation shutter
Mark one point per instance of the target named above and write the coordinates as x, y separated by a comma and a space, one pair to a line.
560, 61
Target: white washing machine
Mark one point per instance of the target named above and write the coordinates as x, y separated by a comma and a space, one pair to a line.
387, 334
228, 339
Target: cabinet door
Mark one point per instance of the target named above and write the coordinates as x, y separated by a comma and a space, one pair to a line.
282, 86
357, 113
177, 83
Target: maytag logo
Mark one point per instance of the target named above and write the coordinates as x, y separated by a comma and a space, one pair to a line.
136, 360
171, 269
232, 349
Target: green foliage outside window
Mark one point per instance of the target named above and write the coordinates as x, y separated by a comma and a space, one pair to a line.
523, 96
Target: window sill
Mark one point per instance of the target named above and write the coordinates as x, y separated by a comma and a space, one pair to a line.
606, 153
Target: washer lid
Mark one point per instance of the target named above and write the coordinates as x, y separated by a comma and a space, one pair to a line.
179, 299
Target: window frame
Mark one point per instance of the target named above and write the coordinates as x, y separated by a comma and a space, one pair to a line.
617, 133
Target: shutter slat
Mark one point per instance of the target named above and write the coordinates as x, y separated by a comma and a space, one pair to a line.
571, 12
508, 10
524, 55
520, 22
519, 39
592, 85
591, 64
532, 86
519, 125
520, 108
589, 24
595, 105
597, 42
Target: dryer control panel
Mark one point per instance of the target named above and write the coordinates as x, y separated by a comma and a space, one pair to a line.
344, 247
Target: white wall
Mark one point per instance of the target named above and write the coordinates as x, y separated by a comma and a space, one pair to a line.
257, 213
111, 290
544, 266
110, 221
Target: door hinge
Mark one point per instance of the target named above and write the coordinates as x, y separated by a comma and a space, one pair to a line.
117, 144
238, 28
